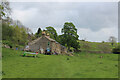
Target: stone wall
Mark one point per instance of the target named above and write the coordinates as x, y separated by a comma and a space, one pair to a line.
53, 45
63, 50
41, 45
58, 48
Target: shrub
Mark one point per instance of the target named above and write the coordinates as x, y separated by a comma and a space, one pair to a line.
116, 50
103, 41
9, 43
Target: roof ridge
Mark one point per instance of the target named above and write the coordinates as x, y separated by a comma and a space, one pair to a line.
49, 38
35, 40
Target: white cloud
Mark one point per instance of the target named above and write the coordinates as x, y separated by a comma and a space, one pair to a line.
101, 35
25, 15
94, 21
63, 0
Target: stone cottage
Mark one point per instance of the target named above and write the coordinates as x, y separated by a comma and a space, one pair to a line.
44, 42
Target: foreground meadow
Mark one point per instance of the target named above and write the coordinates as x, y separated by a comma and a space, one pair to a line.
82, 65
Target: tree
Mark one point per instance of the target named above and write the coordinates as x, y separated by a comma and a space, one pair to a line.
29, 31
61, 40
17, 36
39, 33
5, 12
5, 9
70, 36
24, 36
7, 31
112, 39
12, 33
52, 32
69, 29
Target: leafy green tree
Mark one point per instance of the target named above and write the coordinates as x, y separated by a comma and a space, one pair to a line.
7, 31
24, 36
69, 35
12, 33
17, 35
52, 32
20, 36
69, 29
61, 40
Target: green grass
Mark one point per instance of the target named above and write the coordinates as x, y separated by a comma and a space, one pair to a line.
81, 65
96, 46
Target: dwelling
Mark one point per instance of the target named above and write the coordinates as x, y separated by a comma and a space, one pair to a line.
44, 42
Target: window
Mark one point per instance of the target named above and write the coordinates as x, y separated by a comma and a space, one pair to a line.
48, 43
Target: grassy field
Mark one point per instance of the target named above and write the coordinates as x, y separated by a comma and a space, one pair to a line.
96, 46
82, 65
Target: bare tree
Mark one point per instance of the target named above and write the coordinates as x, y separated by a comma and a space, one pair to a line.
29, 31
5, 9
112, 39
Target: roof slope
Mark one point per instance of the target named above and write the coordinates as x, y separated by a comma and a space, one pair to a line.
34, 41
50, 39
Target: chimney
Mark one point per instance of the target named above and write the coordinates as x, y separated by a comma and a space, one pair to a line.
48, 35
43, 33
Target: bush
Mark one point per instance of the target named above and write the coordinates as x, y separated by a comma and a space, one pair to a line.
103, 41
9, 43
116, 50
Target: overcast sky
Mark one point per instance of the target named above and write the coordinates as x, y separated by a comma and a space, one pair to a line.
95, 21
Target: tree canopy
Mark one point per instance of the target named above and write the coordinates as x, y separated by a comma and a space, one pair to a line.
39, 33
13, 33
52, 32
69, 36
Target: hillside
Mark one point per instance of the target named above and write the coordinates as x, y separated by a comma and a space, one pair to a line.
97, 47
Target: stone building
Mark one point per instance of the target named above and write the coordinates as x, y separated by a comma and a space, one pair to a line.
44, 42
